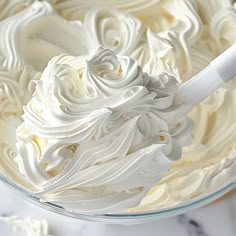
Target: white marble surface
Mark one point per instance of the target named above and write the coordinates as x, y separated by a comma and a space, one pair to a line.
215, 220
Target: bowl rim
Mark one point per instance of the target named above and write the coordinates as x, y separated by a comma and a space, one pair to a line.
122, 217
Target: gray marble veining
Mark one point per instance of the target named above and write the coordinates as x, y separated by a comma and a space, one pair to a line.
193, 227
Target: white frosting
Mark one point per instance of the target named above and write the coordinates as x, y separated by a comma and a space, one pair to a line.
8, 151
25, 37
95, 136
147, 48
189, 183
113, 29
30, 226
177, 38
77, 9
11, 7
15, 90
210, 161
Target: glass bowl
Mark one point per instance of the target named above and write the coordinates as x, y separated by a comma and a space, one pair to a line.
124, 218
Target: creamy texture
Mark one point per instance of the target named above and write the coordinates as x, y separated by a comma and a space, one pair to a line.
15, 90
24, 37
189, 183
11, 7
25, 48
113, 29
77, 9
176, 37
210, 161
30, 226
95, 136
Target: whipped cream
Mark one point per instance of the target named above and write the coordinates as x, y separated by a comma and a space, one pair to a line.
11, 7
25, 37
77, 9
210, 161
30, 226
174, 38
15, 90
113, 29
95, 136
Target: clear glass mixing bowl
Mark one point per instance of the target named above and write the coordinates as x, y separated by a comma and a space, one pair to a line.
124, 218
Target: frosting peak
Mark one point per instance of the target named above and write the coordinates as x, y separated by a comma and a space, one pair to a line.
24, 37
97, 123
113, 29
95, 131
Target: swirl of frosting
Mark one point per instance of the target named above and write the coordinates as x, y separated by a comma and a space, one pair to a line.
189, 184
209, 8
8, 152
223, 23
156, 55
11, 7
208, 163
10, 97
25, 37
169, 49
15, 90
94, 116
95, 136
77, 9
113, 29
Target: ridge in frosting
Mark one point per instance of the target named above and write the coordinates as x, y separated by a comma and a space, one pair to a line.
36, 34
95, 136
11, 7
174, 38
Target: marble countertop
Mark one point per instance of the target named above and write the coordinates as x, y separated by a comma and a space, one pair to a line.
217, 219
